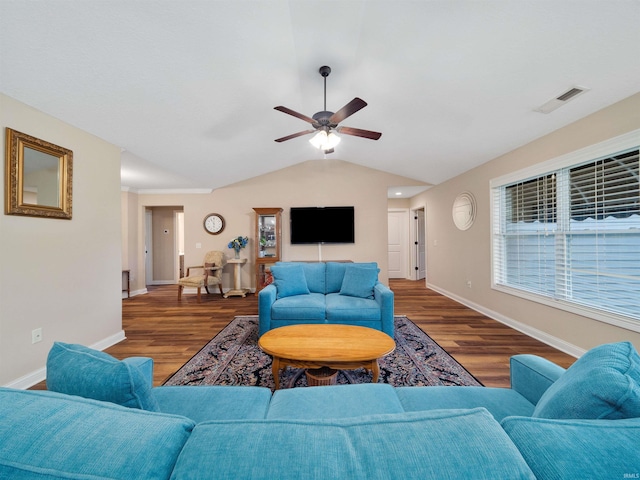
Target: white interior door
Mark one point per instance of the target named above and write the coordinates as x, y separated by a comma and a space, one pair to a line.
397, 239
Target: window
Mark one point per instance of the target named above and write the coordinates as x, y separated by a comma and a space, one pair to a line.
569, 236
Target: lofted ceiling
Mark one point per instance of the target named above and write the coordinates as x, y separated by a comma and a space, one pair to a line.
187, 88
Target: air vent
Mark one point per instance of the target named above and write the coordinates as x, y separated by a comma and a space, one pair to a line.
561, 99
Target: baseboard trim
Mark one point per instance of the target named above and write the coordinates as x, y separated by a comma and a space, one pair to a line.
134, 293
37, 376
528, 330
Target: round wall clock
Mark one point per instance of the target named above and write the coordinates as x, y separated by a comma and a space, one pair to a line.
214, 223
464, 210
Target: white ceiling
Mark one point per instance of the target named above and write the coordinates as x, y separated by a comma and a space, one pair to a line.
187, 88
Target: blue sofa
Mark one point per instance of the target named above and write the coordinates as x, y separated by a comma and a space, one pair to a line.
331, 292
552, 424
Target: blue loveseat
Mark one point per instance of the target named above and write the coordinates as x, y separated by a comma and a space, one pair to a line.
552, 424
331, 292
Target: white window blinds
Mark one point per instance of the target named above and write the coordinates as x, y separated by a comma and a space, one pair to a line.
573, 234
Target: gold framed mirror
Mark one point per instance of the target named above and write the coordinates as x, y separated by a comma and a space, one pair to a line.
38, 177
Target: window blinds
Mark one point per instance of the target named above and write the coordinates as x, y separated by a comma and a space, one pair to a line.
574, 234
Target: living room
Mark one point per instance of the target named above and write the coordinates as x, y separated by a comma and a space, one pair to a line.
65, 277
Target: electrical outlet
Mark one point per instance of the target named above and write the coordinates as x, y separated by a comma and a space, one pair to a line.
36, 335
468, 283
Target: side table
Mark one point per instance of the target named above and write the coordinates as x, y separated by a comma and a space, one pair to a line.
237, 291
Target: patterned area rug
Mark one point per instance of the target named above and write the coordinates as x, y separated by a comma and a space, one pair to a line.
234, 358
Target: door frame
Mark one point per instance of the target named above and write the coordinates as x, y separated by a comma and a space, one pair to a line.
415, 245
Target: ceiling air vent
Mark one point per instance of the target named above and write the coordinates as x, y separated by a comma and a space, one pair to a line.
561, 99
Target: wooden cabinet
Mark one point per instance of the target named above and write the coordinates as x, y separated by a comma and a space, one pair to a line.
268, 243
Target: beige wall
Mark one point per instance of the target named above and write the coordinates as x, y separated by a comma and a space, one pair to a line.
455, 257
60, 275
312, 183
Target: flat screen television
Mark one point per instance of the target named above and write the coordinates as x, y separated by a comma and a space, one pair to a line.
322, 225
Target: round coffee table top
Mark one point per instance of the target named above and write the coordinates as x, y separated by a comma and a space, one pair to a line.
327, 342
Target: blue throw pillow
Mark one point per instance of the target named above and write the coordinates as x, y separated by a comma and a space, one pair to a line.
359, 281
602, 384
79, 370
289, 280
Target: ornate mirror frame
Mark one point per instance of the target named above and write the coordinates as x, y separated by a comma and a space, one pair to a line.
38, 177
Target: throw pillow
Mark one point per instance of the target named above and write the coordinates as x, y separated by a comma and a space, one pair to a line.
602, 384
359, 281
79, 370
335, 274
289, 280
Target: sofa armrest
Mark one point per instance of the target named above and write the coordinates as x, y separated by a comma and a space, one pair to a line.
145, 365
531, 375
385, 298
266, 298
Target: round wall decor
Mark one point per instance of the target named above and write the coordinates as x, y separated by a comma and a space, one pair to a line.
464, 210
213, 223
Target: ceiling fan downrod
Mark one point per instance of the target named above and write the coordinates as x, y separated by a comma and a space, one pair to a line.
325, 71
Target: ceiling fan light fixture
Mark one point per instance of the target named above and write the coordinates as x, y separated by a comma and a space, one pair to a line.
324, 141
332, 140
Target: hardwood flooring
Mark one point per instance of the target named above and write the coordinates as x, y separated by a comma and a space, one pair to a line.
171, 332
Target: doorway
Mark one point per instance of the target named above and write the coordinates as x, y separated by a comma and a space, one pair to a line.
164, 240
398, 243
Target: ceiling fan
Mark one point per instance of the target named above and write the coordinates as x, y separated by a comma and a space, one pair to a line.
325, 123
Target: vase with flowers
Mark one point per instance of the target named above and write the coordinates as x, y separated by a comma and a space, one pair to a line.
238, 244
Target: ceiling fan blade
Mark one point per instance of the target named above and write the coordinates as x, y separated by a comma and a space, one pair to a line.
295, 114
349, 109
356, 132
294, 135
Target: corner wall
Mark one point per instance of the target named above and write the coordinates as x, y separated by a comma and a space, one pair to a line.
60, 275
455, 257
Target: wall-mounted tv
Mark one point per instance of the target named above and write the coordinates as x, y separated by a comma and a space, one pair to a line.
322, 225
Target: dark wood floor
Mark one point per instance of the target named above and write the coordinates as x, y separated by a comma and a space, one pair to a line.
171, 332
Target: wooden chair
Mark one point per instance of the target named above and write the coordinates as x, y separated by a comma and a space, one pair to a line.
211, 275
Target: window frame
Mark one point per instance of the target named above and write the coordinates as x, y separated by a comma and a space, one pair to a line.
590, 153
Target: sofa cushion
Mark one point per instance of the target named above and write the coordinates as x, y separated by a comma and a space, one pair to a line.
335, 401
602, 384
414, 445
559, 449
300, 307
501, 402
289, 280
202, 403
335, 273
79, 370
46, 435
359, 281
351, 309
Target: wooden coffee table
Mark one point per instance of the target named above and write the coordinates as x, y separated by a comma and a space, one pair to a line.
343, 347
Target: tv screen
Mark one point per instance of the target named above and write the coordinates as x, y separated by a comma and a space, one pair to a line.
322, 225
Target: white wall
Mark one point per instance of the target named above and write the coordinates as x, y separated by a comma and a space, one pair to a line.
455, 257
63, 276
